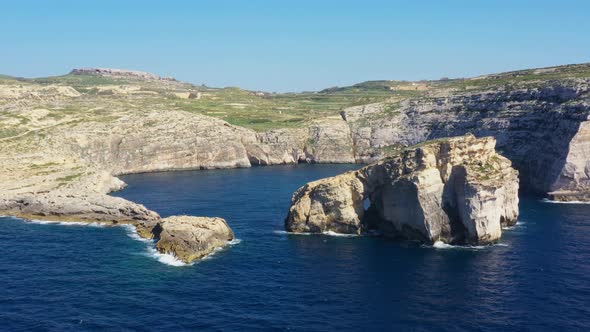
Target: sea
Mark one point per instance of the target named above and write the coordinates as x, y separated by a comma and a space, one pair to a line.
89, 277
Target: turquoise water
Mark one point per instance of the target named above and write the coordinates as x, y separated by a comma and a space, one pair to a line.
87, 278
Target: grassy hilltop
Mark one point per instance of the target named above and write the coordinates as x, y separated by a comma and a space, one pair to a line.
89, 97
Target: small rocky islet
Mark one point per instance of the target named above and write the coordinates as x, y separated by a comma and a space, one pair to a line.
64, 140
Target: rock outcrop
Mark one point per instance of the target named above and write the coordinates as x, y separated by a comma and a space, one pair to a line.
122, 73
456, 190
191, 238
65, 205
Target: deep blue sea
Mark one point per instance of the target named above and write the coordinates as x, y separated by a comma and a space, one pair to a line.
86, 278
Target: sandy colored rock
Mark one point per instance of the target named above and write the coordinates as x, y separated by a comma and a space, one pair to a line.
67, 205
456, 190
542, 128
191, 238
120, 73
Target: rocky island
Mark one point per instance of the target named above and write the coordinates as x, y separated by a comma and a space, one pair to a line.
456, 190
65, 139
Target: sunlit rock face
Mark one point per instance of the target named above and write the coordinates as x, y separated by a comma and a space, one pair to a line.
456, 190
191, 238
541, 127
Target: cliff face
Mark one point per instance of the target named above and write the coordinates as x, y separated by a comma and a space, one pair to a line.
456, 190
179, 140
323, 141
160, 141
120, 73
542, 130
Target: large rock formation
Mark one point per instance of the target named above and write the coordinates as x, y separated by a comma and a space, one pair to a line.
456, 190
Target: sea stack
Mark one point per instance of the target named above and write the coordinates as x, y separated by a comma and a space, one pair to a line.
456, 190
191, 238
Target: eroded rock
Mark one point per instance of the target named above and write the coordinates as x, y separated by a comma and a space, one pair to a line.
191, 238
456, 190
72, 206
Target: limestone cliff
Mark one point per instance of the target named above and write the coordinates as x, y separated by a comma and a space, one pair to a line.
542, 129
456, 190
323, 141
119, 73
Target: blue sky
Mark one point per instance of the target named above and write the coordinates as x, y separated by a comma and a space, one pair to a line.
286, 45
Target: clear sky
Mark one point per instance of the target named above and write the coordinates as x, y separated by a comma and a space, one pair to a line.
288, 45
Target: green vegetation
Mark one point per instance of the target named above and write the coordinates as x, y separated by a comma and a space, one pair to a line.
45, 165
392, 109
69, 178
522, 77
9, 132
391, 149
270, 111
78, 81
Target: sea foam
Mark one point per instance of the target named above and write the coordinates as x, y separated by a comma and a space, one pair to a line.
132, 233
64, 223
151, 250
442, 245
547, 200
519, 224
219, 249
328, 233
167, 259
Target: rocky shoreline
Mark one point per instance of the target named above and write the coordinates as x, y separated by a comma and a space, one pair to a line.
63, 147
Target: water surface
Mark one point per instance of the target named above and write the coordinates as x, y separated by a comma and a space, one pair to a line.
80, 278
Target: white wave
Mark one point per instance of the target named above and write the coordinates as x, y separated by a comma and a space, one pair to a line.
132, 233
165, 258
293, 233
234, 242
41, 222
442, 245
65, 223
218, 249
212, 253
328, 233
519, 224
547, 200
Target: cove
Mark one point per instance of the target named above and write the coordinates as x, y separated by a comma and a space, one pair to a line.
84, 278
